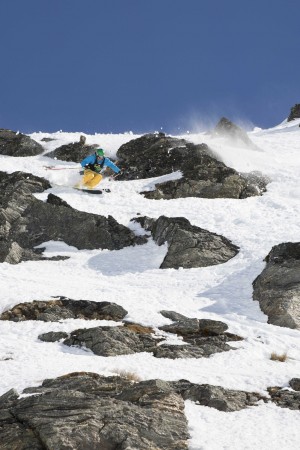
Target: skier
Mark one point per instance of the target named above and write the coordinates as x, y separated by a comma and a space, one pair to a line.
93, 165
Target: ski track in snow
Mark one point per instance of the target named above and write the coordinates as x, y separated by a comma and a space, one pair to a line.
131, 277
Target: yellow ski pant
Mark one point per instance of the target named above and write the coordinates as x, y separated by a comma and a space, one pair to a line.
91, 179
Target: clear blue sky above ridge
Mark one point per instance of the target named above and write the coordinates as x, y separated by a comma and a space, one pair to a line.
120, 65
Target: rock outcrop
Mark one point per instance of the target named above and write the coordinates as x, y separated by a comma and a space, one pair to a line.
201, 339
188, 246
154, 155
295, 112
64, 308
88, 411
277, 288
26, 222
75, 151
17, 144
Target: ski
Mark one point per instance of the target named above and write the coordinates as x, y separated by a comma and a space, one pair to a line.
89, 191
92, 191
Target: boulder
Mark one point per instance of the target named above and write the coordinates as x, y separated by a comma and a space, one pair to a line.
201, 327
204, 336
64, 308
88, 411
277, 288
285, 398
75, 151
203, 175
26, 222
112, 341
201, 348
17, 144
227, 129
188, 246
53, 336
295, 112
216, 396
295, 384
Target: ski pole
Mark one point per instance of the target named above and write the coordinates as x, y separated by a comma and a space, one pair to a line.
60, 168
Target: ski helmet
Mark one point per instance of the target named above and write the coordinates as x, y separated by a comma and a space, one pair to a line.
100, 152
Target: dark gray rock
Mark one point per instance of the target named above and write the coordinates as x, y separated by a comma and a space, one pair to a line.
45, 139
179, 351
9, 398
216, 396
112, 341
55, 200
18, 144
133, 338
208, 327
284, 398
182, 327
173, 315
64, 308
154, 155
295, 112
188, 246
256, 183
202, 348
84, 410
226, 128
204, 336
75, 151
75, 412
52, 336
277, 288
295, 384
26, 222
201, 327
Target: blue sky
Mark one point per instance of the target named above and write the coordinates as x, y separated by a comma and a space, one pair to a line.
121, 65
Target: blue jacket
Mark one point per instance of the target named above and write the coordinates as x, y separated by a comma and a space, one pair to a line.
91, 160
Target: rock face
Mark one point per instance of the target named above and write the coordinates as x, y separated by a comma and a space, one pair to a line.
64, 308
18, 144
295, 112
26, 222
83, 411
277, 288
188, 246
75, 151
154, 155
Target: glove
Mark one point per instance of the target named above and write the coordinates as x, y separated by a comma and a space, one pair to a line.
97, 168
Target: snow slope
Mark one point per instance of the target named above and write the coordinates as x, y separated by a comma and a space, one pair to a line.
131, 277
